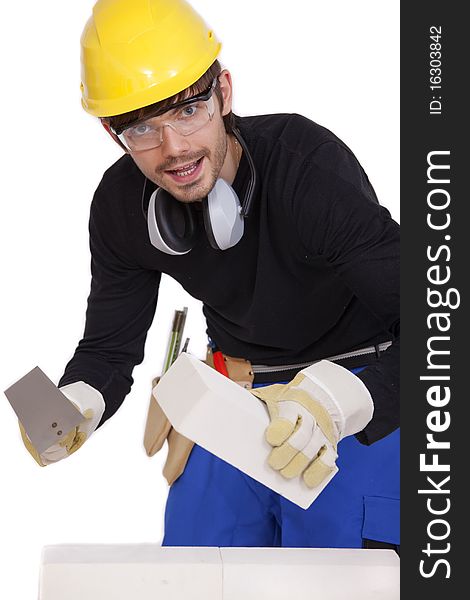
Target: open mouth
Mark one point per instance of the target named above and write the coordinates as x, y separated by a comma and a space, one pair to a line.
186, 172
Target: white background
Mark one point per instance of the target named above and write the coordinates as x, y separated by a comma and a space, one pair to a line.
335, 62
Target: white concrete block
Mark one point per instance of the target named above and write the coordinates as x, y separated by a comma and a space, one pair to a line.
228, 421
310, 573
150, 572
129, 572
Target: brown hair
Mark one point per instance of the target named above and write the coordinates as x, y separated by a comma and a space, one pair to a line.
201, 85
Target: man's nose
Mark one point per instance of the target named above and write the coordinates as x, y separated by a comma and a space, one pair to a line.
173, 143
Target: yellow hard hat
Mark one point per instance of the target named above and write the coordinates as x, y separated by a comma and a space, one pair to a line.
137, 52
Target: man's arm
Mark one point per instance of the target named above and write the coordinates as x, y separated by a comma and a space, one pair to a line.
338, 217
121, 307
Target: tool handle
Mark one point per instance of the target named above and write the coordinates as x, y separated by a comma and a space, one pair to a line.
219, 363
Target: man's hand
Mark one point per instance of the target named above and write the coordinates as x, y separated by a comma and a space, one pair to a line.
91, 404
308, 420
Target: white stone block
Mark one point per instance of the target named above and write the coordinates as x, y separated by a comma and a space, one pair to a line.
228, 421
129, 572
150, 572
310, 573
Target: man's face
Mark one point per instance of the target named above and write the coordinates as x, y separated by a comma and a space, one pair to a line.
188, 166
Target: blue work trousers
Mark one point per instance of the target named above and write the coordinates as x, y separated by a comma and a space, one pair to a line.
215, 504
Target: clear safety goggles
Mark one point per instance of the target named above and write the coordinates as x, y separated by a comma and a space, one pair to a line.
185, 117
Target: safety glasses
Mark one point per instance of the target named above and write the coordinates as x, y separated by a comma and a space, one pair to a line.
185, 117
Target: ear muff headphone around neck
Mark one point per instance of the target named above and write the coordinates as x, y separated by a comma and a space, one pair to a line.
173, 227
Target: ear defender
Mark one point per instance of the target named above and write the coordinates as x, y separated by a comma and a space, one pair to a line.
223, 221
171, 224
173, 227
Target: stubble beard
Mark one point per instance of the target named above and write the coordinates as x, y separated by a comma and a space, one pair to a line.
196, 191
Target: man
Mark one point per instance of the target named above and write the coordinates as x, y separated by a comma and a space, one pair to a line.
309, 274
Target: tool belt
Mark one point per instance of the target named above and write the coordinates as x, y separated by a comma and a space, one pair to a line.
158, 428
241, 371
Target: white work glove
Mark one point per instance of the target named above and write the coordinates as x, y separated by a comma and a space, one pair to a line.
90, 403
309, 416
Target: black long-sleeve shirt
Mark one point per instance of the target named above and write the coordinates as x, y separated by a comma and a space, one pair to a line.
315, 274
